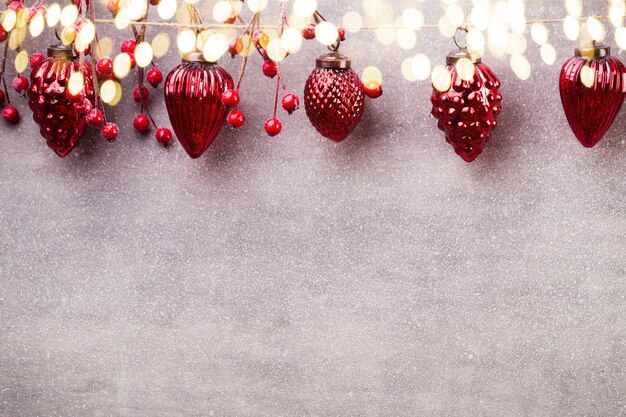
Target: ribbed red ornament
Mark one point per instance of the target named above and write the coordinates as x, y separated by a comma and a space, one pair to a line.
467, 111
61, 117
593, 89
334, 97
193, 96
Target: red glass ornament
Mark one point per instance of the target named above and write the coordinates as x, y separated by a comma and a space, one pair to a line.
591, 109
467, 111
193, 97
61, 118
334, 97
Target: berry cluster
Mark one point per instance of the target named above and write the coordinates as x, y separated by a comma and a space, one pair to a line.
290, 102
141, 122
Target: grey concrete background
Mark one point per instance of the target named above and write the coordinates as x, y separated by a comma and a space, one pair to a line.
293, 276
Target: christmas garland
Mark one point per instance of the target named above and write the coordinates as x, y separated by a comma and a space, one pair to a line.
69, 89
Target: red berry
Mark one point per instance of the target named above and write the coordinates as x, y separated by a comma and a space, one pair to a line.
309, 32
94, 118
113, 6
16, 6
235, 46
3, 34
155, 2
128, 46
154, 77
230, 20
291, 103
270, 69
2, 97
144, 91
260, 38
141, 123
110, 131
230, 98
10, 114
20, 84
35, 60
236, 119
273, 126
163, 135
342, 33
373, 89
104, 67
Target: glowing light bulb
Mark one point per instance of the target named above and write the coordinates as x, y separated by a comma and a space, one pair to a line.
595, 28
587, 77
548, 53
275, 50
291, 40
455, 15
326, 33
304, 8
9, 18
420, 67
186, 40
21, 61
87, 32
215, 47
143, 54
121, 65
160, 44
256, 6
412, 18
539, 33
574, 7
407, 70
53, 14
571, 27
441, 78
353, 22
475, 41
75, 83
372, 75
222, 11
465, 68
520, 66
69, 14
37, 24
137, 9
167, 9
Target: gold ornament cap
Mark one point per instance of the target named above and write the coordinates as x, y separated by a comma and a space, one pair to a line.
595, 50
454, 57
61, 51
196, 57
333, 60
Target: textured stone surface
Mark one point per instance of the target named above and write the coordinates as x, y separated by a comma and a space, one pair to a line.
382, 276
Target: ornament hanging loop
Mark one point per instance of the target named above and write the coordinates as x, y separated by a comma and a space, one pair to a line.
456, 40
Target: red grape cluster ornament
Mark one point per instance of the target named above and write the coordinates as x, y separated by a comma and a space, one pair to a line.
59, 112
334, 97
593, 89
193, 95
466, 103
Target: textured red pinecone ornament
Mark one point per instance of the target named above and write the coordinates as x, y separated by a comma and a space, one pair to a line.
193, 96
592, 99
467, 111
61, 117
334, 97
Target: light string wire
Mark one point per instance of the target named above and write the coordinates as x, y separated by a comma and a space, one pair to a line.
349, 28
